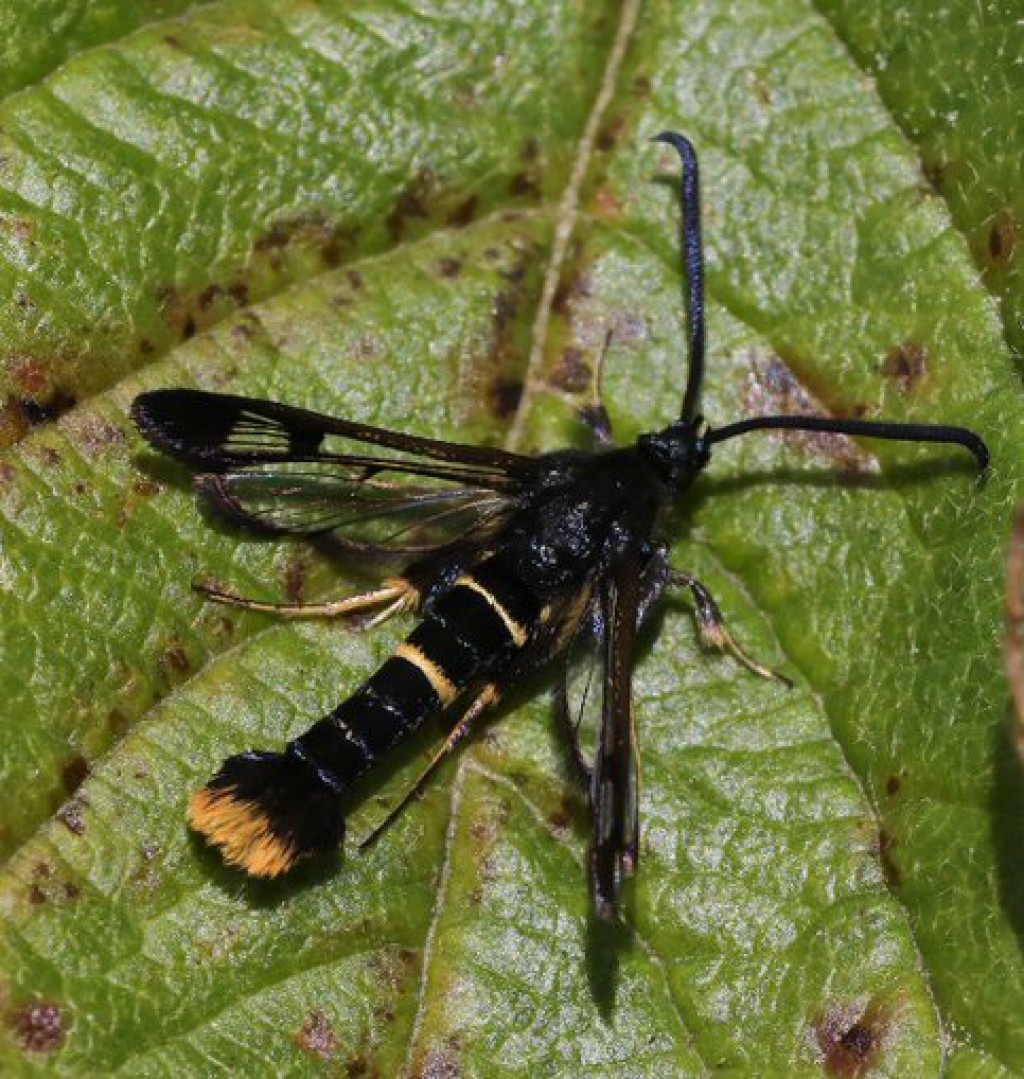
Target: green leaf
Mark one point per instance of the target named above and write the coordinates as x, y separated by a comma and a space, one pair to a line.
431, 220
37, 37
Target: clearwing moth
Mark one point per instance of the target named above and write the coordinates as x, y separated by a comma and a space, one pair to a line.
510, 560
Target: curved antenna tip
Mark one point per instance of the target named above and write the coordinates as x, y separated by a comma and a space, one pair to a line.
680, 143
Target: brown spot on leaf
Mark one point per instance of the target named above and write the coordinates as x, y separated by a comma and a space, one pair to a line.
36, 895
1002, 239
74, 773
355, 280
46, 409
411, 203
174, 659
176, 311
306, 231
892, 786
22, 228
146, 347
524, 185
72, 814
449, 267
851, 1037
607, 204
209, 296
578, 287
483, 832
357, 1066
610, 134
773, 389
516, 274
296, 576
247, 327
317, 1036
572, 372
239, 292
332, 250
31, 376
935, 171
146, 488
439, 1062
95, 435
906, 364
503, 396
464, 213
506, 306
385, 1014
117, 722
1013, 637
641, 86
13, 424
530, 150
886, 846
40, 1027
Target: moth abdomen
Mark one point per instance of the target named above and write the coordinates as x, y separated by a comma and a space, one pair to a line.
267, 811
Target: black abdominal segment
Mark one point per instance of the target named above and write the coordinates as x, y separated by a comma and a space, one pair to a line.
469, 631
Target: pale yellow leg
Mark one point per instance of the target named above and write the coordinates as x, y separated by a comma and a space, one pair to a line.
485, 699
713, 631
397, 595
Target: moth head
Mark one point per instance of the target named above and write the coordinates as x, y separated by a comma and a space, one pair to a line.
679, 453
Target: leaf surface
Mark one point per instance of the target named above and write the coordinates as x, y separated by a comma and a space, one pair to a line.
431, 220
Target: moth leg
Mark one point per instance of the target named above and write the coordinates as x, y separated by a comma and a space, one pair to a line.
653, 580
394, 596
713, 631
486, 698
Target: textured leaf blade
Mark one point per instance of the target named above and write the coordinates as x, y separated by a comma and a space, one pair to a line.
152, 187
828, 879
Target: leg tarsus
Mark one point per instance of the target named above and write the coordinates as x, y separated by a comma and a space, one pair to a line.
713, 630
392, 598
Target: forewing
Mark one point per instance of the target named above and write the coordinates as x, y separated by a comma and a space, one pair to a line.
284, 470
614, 788
217, 432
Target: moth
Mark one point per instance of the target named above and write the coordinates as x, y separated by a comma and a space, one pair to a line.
510, 560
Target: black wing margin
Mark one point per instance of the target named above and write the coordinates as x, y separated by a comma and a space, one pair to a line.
214, 432
614, 783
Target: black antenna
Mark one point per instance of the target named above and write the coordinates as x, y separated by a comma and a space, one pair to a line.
693, 254
899, 432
